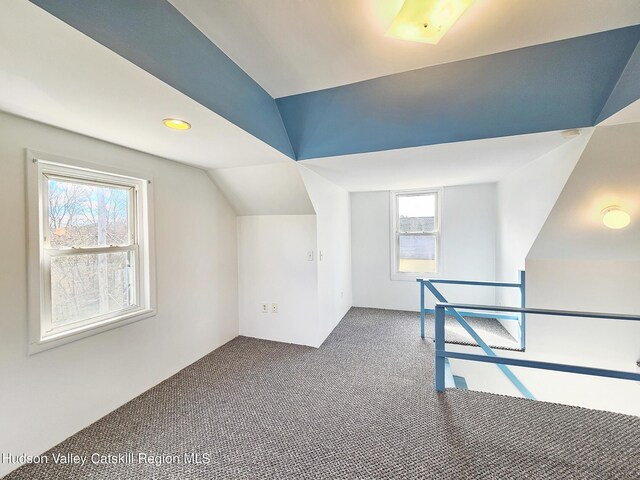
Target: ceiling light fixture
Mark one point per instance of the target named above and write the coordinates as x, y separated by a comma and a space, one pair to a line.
426, 20
614, 217
176, 124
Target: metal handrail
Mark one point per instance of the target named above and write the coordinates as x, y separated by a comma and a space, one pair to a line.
472, 333
428, 282
442, 354
542, 311
558, 367
471, 282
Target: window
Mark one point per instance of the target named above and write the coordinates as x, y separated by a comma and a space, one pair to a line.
415, 233
90, 256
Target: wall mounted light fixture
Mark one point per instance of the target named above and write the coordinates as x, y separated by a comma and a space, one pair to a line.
614, 217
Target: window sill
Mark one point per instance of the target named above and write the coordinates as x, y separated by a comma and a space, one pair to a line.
69, 336
412, 277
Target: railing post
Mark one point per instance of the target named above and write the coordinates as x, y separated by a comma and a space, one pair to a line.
523, 304
421, 308
440, 348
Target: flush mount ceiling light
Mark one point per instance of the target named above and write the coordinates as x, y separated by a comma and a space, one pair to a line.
176, 124
614, 217
426, 20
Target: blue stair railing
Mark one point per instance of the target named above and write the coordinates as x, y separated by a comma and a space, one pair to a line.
429, 284
521, 286
442, 354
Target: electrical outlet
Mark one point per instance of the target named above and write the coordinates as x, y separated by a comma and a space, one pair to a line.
274, 308
265, 308
310, 256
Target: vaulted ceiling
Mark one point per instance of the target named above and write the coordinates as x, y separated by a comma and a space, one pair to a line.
272, 81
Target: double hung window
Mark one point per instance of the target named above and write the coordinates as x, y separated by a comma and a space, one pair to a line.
415, 233
93, 258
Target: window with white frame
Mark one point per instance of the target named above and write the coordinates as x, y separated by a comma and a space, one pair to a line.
93, 257
415, 233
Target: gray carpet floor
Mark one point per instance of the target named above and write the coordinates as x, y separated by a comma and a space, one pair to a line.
361, 406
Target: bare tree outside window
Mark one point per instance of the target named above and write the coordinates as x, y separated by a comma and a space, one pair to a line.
84, 216
91, 265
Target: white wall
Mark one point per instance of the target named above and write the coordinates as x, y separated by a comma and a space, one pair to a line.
525, 199
273, 247
468, 248
333, 209
576, 263
273, 267
49, 396
601, 286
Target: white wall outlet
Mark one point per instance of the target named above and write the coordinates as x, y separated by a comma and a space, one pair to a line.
274, 308
310, 256
265, 308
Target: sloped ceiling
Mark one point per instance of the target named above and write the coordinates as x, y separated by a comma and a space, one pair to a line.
157, 38
309, 45
627, 88
476, 161
555, 86
276, 189
608, 173
52, 73
629, 114
558, 85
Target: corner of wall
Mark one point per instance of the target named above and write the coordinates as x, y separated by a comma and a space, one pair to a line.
333, 209
524, 200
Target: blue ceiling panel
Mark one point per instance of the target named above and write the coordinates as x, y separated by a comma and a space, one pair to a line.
546, 87
159, 39
627, 89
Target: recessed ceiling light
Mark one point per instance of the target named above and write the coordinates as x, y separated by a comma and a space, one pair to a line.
176, 124
426, 20
614, 217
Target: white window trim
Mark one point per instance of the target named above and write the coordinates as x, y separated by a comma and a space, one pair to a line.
37, 163
394, 238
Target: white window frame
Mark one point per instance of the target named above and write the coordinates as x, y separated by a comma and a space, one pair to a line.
42, 166
394, 238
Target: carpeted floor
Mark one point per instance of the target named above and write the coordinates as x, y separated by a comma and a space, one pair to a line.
361, 406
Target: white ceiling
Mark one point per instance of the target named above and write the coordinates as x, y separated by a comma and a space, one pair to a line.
478, 161
52, 73
294, 46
